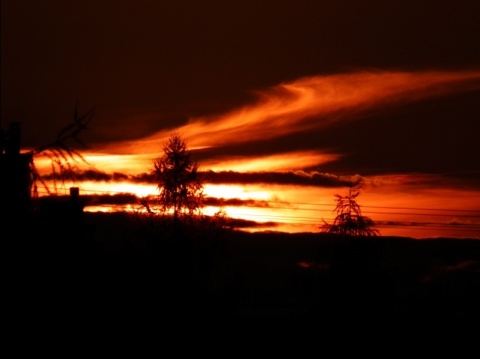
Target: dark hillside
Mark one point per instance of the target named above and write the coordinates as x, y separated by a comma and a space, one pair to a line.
114, 264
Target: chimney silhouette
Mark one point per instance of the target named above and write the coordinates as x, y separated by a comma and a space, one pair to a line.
15, 177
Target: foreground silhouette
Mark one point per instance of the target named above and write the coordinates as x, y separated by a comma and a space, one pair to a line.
123, 265
349, 220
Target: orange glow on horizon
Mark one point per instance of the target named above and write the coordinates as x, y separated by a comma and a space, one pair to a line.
398, 208
302, 105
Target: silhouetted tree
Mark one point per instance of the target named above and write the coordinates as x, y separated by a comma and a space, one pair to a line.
179, 181
349, 220
62, 154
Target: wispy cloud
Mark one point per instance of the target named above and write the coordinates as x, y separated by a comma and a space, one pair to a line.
294, 160
311, 103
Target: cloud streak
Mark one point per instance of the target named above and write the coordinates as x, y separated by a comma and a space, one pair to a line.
303, 178
312, 103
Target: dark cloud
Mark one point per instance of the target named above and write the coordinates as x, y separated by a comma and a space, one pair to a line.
284, 178
87, 175
464, 179
225, 177
243, 223
453, 225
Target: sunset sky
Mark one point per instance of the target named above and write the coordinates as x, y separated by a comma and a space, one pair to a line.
282, 102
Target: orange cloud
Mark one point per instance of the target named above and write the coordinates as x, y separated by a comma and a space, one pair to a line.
312, 103
278, 162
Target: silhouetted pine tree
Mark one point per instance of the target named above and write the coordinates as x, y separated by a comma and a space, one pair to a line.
349, 220
179, 181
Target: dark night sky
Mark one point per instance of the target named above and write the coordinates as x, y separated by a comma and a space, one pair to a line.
180, 59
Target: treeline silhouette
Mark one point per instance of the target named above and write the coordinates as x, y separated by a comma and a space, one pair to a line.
170, 260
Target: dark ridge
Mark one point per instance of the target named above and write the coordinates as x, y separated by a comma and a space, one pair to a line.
130, 265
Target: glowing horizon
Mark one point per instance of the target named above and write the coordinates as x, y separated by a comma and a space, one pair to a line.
310, 103
393, 202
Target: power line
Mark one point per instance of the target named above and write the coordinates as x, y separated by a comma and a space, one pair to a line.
321, 210
386, 207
